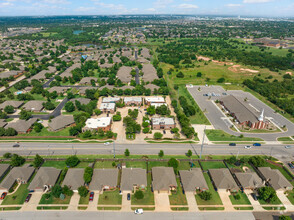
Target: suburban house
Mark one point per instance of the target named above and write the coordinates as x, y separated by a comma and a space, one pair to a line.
4, 168
133, 101
83, 101
103, 123
243, 113
110, 99
33, 105
107, 107
275, 178
61, 122
3, 123
88, 80
82, 90
45, 178
22, 126
163, 123
163, 179
20, 175
124, 74
155, 99
133, 179
104, 179
193, 180
14, 104
249, 180
223, 180
149, 73
151, 87
61, 90
74, 178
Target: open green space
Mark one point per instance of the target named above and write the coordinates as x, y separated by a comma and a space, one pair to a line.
17, 197
84, 200
52, 163
273, 208
148, 194
110, 198
215, 199
276, 202
206, 165
104, 164
219, 135
53, 200
9, 208
52, 207
178, 197
211, 208
179, 208
244, 208
82, 164
136, 164
144, 208
242, 201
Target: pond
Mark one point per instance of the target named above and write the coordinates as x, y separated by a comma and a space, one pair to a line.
77, 32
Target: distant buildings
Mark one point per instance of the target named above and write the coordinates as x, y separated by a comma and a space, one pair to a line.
103, 123
163, 123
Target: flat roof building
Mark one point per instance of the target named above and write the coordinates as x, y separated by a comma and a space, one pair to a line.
103, 123
163, 123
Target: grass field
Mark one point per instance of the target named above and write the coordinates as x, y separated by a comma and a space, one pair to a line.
56, 164
242, 201
110, 198
178, 198
219, 135
18, 197
206, 165
53, 200
84, 200
148, 195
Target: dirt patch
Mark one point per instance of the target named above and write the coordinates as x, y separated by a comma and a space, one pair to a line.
238, 69
290, 73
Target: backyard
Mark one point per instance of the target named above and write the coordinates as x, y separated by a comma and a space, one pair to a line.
178, 197
148, 195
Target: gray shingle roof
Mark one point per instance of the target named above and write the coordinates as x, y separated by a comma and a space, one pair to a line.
163, 178
103, 177
45, 176
15, 104
83, 101
60, 122
34, 105
193, 179
74, 178
223, 179
149, 72
249, 180
124, 74
21, 126
133, 176
3, 168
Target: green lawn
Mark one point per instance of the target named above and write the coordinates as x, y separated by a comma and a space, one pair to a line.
178, 198
212, 165
104, 164
83, 165
242, 201
185, 165
53, 200
156, 164
84, 200
110, 198
244, 208
215, 199
18, 197
136, 164
52, 207
109, 208
56, 164
148, 195
219, 135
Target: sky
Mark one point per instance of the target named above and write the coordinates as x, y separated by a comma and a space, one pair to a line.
268, 8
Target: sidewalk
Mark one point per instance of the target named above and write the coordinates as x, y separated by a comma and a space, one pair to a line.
199, 129
161, 202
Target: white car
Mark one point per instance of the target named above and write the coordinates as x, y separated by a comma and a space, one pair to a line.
106, 143
247, 147
138, 211
288, 146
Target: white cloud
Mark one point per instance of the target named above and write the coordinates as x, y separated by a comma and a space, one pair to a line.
162, 3
256, 1
151, 9
187, 6
233, 5
6, 4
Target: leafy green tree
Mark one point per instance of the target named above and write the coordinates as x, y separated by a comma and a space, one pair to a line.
267, 194
49, 106
127, 152
38, 160
173, 163
69, 106
232, 160
189, 153
9, 109
83, 191
72, 161
7, 155
161, 153
180, 75
146, 130
151, 110
237, 197
38, 127
17, 160
157, 135
88, 174
25, 115
285, 217
67, 191
257, 161
10, 132
205, 195
139, 195
56, 190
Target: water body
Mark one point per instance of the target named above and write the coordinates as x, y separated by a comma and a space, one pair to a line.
77, 32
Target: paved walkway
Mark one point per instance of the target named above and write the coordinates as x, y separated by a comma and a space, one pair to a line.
161, 202
33, 203
93, 205
199, 129
191, 202
74, 202
288, 205
226, 200
126, 204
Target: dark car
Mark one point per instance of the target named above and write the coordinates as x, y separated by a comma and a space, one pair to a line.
15, 145
128, 196
254, 196
91, 196
3, 195
232, 144
291, 165
28, 198
256, 144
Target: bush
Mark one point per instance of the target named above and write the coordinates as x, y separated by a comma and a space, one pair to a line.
157, 135
127, 152
257, 161
88, 174
161, 153
56, 190
17, 160
72, 161
38, 127
83, 191
189, 153
67, 191
139, 194
237, 197
205, 195
7, 155
267, 194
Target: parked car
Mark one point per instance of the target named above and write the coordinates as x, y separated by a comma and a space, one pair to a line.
128, 196
15, 145
91, 196
254, 196
3, 195
106, 143
256, 144
28, 197
288, 146
232, 144
138, 211
247, 147
291, 165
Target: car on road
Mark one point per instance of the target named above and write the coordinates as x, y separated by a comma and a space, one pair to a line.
15, 145
129, 196
106, 143
256, 144
91, 196
3, 195
254, 196
28, 197
247, 147
232, 144
138, 211
288, 146
291, 165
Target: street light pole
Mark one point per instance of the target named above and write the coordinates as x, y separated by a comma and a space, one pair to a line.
202, 142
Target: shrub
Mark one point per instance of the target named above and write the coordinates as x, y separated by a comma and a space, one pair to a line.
161, 153
83, 191
127, 152
157, 135
139, 194
205, 195
72, 161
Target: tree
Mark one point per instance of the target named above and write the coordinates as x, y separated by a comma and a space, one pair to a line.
67, 191
205, 195
161, 153
174, 130
9, 109
56, 190
69, 106
221, 80
25, 115
17, 160
232, 160
285, 217
72, 161
83, 191
180, 75
139, 194
88, 174
237, 197
7, 155
173, 163
189, 153
146, 130
157, 135
116, 117
267, 194
127, 152
199, 74
38, 127
10, 132
49, 105
38, 161
151, 110
257, 161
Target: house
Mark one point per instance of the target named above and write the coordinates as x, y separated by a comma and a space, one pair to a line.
14, 104
155, 99
124, 74
243, 113
74, 178
82, 90
193, 180
88, 80
133, 101
163, 179
103, 123
83, 101
163, 123
111, 99
4, 168
149, 73
249, 180
133, 179
22, 126
275, 178
104, 179
33, 105
67, 73
21, 175
61, 122
45, 178
59, 89
223, 180
151, 87
3, 123
107, 107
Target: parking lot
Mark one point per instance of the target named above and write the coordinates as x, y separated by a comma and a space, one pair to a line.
205, 96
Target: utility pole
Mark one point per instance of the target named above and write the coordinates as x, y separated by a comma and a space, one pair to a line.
237, 154
202, 142
113, 149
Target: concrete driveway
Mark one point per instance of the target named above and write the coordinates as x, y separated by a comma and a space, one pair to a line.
161, 202
33, 203
256, 205
74, 201
126, 204
285, 201
93, 205
191, 200
224, 195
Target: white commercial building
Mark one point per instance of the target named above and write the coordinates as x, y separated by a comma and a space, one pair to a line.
103, 123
